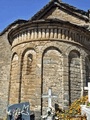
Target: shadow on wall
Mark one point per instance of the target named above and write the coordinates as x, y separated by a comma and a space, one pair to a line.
32, 117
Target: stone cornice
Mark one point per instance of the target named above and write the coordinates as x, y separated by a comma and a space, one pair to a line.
49, 30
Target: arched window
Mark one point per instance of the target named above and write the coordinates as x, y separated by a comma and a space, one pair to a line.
29, 63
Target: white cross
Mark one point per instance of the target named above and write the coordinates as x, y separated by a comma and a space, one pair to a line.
49, 96
88, 88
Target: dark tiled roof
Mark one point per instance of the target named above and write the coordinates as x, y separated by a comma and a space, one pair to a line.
19, 21
75, 9
52, 3
41, 11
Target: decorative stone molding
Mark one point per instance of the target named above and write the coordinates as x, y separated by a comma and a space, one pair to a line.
48, 31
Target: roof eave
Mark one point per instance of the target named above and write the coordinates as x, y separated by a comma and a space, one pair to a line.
19, 21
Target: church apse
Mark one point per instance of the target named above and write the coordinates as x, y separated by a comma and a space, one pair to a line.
50, 50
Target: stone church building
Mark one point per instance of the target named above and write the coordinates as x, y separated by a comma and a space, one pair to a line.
50, 50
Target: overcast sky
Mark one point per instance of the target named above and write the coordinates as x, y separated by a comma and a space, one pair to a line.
11, 10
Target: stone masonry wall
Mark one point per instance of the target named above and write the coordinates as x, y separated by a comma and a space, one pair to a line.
43, 65
58, 13
74, 76
14, 83
52, 75
5, 61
